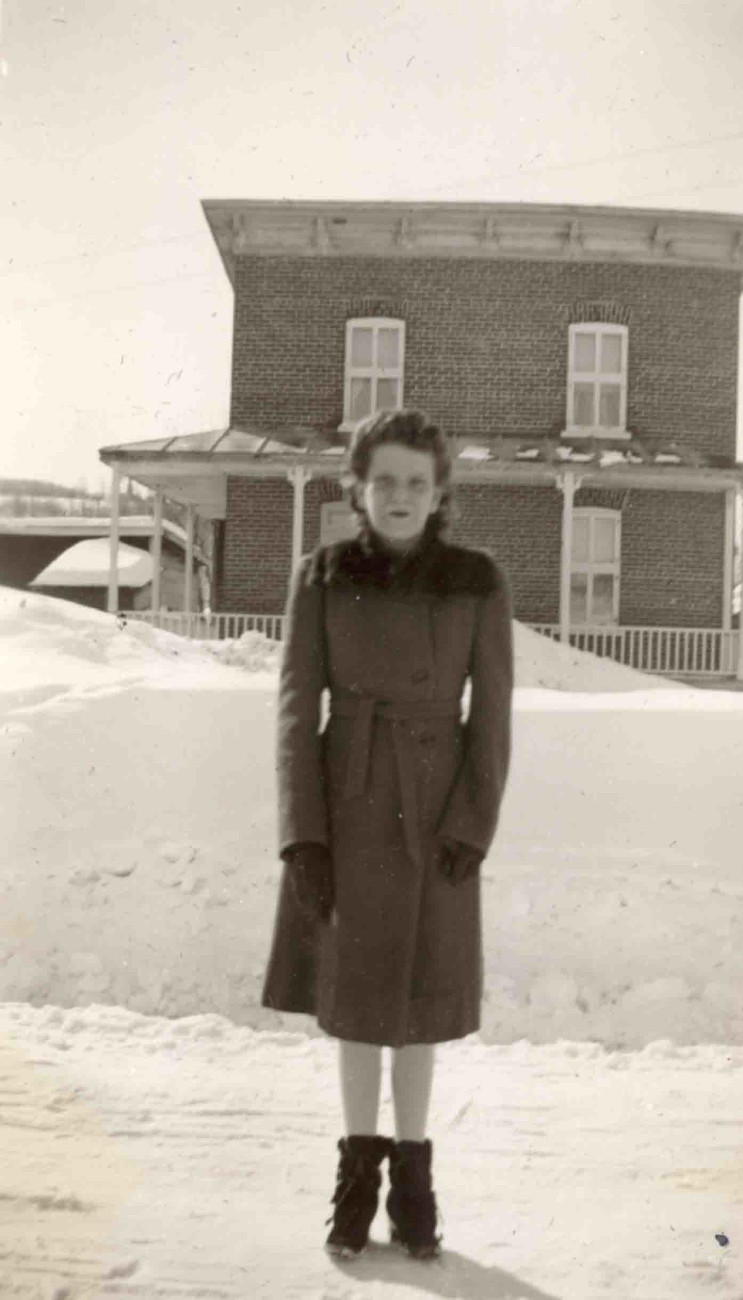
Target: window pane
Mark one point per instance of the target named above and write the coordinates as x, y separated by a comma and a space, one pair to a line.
609, 406
337, 522
583, 404
578, 597
388, 349
360, 398
361, 347
604, 539
387, 394
602, 604
584, 357
580, 538
611, 354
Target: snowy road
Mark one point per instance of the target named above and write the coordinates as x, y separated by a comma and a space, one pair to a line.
148, 1157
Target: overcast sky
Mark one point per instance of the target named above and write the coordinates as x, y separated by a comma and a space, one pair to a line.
117, 117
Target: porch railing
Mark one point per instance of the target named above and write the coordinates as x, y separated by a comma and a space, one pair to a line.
210, 627
674, 651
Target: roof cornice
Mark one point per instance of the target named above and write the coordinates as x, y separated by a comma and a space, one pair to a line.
489, 231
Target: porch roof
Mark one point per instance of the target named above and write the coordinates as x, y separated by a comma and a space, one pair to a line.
194, 468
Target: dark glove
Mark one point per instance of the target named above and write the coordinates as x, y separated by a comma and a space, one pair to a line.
458, 861
311, 876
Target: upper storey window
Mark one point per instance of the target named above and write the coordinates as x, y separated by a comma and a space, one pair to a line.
375, 358
597, 380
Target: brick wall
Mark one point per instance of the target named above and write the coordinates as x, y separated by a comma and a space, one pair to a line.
256, 546
671, 564
486, 348
486, 353
672, 559
521, 527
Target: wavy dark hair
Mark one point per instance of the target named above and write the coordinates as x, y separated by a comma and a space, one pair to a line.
407, 427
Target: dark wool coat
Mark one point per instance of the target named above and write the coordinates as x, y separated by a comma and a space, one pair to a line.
393, 642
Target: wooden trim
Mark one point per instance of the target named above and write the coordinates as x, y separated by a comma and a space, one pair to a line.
566, 552
524, 231
299, 477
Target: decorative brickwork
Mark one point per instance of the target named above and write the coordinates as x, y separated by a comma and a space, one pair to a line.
598, 313
601, 498
395, 308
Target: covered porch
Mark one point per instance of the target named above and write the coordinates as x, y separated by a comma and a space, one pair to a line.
193, 470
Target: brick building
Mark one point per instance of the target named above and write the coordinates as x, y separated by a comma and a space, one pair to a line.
583, 360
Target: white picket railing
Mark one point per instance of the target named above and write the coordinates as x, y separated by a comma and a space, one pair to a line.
675, 651
210, 627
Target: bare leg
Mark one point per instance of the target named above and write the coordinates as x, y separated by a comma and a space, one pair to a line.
412, 1078
361, 1077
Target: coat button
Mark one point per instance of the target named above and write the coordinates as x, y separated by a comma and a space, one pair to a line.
420, 675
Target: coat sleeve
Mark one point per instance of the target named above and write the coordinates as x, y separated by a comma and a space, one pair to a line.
472, 812
302, 807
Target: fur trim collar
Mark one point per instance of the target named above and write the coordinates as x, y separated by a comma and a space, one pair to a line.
434, 568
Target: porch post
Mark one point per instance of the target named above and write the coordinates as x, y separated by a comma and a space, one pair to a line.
567, 487
726, 659
112, 603
188, 582
157, 550
299, 477
739, 669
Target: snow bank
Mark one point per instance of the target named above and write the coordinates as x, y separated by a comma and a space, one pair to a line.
549, 665
138, 866
51, 648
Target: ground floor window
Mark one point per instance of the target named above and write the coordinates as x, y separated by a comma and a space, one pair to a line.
594, 569
337, 522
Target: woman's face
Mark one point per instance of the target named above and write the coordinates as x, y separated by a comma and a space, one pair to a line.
399, 493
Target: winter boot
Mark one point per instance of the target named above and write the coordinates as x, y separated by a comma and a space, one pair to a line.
356, 1193
411, 1203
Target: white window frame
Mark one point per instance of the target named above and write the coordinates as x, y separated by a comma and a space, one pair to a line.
575, 376
337, 522
593, 567
373, 372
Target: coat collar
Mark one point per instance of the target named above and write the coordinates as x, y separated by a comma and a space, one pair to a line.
433, 568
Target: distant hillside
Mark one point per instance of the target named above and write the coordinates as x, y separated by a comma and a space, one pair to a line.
38, 487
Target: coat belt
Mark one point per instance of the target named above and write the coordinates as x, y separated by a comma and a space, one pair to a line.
363, 709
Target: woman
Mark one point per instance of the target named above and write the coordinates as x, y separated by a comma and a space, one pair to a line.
387, 813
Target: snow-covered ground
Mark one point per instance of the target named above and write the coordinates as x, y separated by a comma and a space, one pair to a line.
144, 1155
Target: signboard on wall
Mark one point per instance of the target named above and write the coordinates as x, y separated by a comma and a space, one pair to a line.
337, 522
